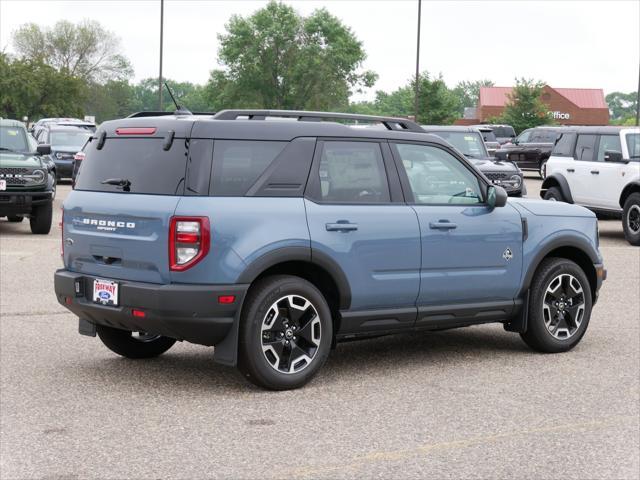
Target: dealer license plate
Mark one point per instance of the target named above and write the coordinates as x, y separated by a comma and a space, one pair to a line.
105, 292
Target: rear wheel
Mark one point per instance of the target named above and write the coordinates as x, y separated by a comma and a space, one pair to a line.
40, 220
559, 306
631, 219
14, 218
133, 344
554, 194
286, 332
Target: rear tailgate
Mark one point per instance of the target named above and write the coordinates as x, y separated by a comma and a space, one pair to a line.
116, 221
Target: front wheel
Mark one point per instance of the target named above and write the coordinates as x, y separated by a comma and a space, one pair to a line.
554, 194
41, 218
133, 344
285, 333
631, 219
542, 170
559, 306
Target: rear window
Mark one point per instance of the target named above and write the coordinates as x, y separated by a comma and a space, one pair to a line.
504, 132
140, 162
488, 136
237, 164
564, 145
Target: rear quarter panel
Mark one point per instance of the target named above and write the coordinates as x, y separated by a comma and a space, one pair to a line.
242, 230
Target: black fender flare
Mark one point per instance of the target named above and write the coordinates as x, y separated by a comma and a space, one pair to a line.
226, 352
627, 190
558, 180
578, 243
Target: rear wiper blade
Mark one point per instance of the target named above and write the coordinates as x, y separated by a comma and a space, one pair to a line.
118, 182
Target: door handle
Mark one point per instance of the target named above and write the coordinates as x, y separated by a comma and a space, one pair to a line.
595, 172
571, 170
341, 226
443, 225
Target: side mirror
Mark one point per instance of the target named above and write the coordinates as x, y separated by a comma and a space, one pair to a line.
612, 156
44, 149
496, 196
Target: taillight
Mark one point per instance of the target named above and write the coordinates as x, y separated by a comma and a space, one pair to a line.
189, 239
78, 157
135, 131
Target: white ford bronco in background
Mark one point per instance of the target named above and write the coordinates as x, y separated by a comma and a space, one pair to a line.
599, 168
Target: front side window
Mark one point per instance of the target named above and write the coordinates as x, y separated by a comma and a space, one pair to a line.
436, 177
585, 147
353, 172
633, 144
608, 143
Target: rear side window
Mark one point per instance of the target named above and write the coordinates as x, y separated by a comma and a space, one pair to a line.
140, 164
585, 147
353, 172
237, 164
564, 145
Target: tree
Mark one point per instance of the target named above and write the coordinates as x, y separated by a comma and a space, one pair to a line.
437, 105
112, 100
189, 95
468, 92
622, 106
86, 50
278, 59
33, 89
525, 109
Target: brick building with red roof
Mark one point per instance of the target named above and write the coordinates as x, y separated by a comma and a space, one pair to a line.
568, 106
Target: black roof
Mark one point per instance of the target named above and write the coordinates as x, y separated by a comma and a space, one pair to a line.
595, 129
451, 128
296, 124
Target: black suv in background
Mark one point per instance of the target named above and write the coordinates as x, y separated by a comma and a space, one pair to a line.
531, 149
469, 142
65, 141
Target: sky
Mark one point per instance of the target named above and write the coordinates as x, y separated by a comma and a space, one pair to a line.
570, 44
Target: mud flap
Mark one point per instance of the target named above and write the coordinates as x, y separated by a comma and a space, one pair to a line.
226, 352
519, 322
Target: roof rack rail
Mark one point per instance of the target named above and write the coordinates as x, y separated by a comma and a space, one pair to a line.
162, 114
391, 123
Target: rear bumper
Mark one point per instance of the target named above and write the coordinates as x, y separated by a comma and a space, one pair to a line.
184, 312
12, 203
64, 168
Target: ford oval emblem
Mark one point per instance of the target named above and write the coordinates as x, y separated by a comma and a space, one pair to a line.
68, 241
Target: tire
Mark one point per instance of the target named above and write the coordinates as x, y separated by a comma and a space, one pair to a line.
40, 220
554, 194
128, 345
272, 345
557, 323
14, 218
542, 169
631, 219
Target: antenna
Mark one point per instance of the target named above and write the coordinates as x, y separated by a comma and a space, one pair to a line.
180, 110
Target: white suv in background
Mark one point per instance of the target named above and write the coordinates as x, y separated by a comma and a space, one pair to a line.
599, 168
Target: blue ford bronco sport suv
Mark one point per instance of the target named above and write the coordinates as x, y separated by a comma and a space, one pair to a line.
272, 235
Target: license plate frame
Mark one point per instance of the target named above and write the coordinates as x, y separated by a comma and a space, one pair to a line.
105, 292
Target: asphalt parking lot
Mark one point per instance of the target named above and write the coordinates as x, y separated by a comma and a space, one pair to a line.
468, 403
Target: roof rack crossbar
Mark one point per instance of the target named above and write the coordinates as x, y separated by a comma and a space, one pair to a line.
391, 123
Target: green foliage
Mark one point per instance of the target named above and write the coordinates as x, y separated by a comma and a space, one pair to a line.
84, 50
525, 109
437, 105
33, 89
189, 95
278, 59
623, 107
468, 92
108, 101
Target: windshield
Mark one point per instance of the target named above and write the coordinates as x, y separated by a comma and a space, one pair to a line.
633, 144
504, 132
469, 143
13, 138
74, 139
